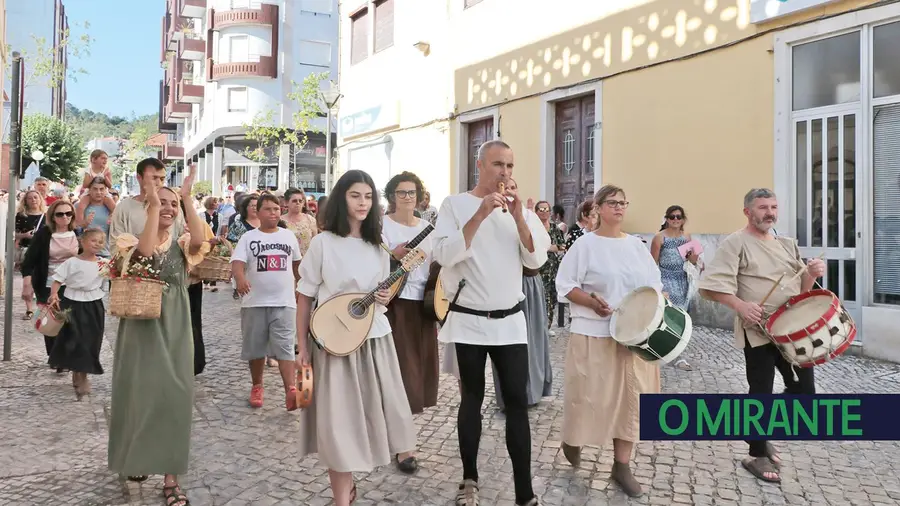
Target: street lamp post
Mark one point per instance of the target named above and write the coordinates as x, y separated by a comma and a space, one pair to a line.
330, 97
37, 156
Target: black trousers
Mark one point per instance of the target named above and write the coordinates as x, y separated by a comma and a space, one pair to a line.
511, 362
195, 299
762, 362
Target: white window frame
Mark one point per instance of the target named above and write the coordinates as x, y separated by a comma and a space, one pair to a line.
246, 98
231, 40
461, 181
548, 134
862, 20
304, 62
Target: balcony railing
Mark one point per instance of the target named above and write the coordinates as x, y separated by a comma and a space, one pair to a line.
256, 66
173, 150
192, 47
256, 14
189, 92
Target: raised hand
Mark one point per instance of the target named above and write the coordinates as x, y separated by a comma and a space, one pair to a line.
188, 183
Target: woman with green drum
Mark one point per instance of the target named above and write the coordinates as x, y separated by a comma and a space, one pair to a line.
603, 378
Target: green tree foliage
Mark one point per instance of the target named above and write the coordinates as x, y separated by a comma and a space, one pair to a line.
45, 61
308, 104
202, 188
64, 152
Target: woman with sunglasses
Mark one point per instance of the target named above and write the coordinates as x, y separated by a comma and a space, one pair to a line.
603, 378
664, 249
52, 244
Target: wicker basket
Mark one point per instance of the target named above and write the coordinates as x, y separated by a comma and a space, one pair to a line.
215, 268
135, 298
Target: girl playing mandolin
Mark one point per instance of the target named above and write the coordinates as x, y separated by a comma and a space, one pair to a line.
360, 415
415, 336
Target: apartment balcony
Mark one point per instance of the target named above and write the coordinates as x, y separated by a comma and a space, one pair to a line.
172, 150
177, 112
258, 66
193, 8
189, 93
258, 14
192, 47
175, 32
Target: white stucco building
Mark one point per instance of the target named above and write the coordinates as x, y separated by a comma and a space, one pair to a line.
227, 62
397, 86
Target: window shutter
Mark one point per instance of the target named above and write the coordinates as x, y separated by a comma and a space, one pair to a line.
886, 190
384, 24
359, 35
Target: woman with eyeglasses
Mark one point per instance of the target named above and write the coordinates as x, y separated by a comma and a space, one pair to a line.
52, 244
298, 219
664, 249
415, 336
603, 378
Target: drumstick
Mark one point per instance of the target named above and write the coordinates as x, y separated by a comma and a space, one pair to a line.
771, 291
804, 269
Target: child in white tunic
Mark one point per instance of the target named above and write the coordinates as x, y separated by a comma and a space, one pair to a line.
360, 416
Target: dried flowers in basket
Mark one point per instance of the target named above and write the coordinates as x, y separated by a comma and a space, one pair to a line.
135, 288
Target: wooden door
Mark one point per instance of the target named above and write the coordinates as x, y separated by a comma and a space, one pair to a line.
574, 164
479, 133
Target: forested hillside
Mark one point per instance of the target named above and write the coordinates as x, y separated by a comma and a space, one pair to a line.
91, 125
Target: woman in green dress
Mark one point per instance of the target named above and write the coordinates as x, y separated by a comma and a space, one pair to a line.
153, 368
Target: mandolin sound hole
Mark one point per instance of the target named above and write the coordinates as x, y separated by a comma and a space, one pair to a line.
357, 309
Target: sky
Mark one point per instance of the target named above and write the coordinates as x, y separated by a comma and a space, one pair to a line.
124, 68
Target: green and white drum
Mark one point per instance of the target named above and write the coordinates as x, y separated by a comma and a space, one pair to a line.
651, 326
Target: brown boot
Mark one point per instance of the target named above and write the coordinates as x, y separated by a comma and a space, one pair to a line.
572, 453
621, 474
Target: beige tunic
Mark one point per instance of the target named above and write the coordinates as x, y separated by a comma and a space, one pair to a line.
748, 268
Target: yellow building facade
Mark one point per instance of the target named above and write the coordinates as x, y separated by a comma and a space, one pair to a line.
688, 102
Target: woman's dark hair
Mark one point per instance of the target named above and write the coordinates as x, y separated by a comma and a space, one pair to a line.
48, 217
337, 217
267, 197
245, 203
99, 180
296, 191
670, 210
559, 212
584, 210
403, 177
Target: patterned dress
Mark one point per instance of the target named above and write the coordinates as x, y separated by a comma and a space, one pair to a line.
671, 265
548, 271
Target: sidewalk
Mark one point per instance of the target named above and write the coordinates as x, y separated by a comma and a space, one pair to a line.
54, 448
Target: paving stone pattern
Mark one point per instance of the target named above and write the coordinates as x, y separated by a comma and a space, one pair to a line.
54, 448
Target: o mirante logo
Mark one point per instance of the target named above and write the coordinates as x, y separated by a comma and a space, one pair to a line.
770, 417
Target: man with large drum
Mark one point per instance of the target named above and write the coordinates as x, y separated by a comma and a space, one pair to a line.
741, 275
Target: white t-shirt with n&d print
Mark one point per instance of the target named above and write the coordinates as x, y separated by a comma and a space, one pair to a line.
269, 259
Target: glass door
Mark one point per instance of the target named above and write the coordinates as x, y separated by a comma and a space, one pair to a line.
827, 200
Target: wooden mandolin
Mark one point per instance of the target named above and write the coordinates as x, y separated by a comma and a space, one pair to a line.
341, 324
398, 285
436, 303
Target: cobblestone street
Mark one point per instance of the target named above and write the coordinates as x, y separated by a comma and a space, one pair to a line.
54, 448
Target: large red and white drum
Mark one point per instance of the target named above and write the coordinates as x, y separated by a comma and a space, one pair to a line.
811, 328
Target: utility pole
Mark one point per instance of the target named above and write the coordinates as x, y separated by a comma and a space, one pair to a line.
15, 163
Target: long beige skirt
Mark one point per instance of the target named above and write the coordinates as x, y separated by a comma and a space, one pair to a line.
603, 382
360, 417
